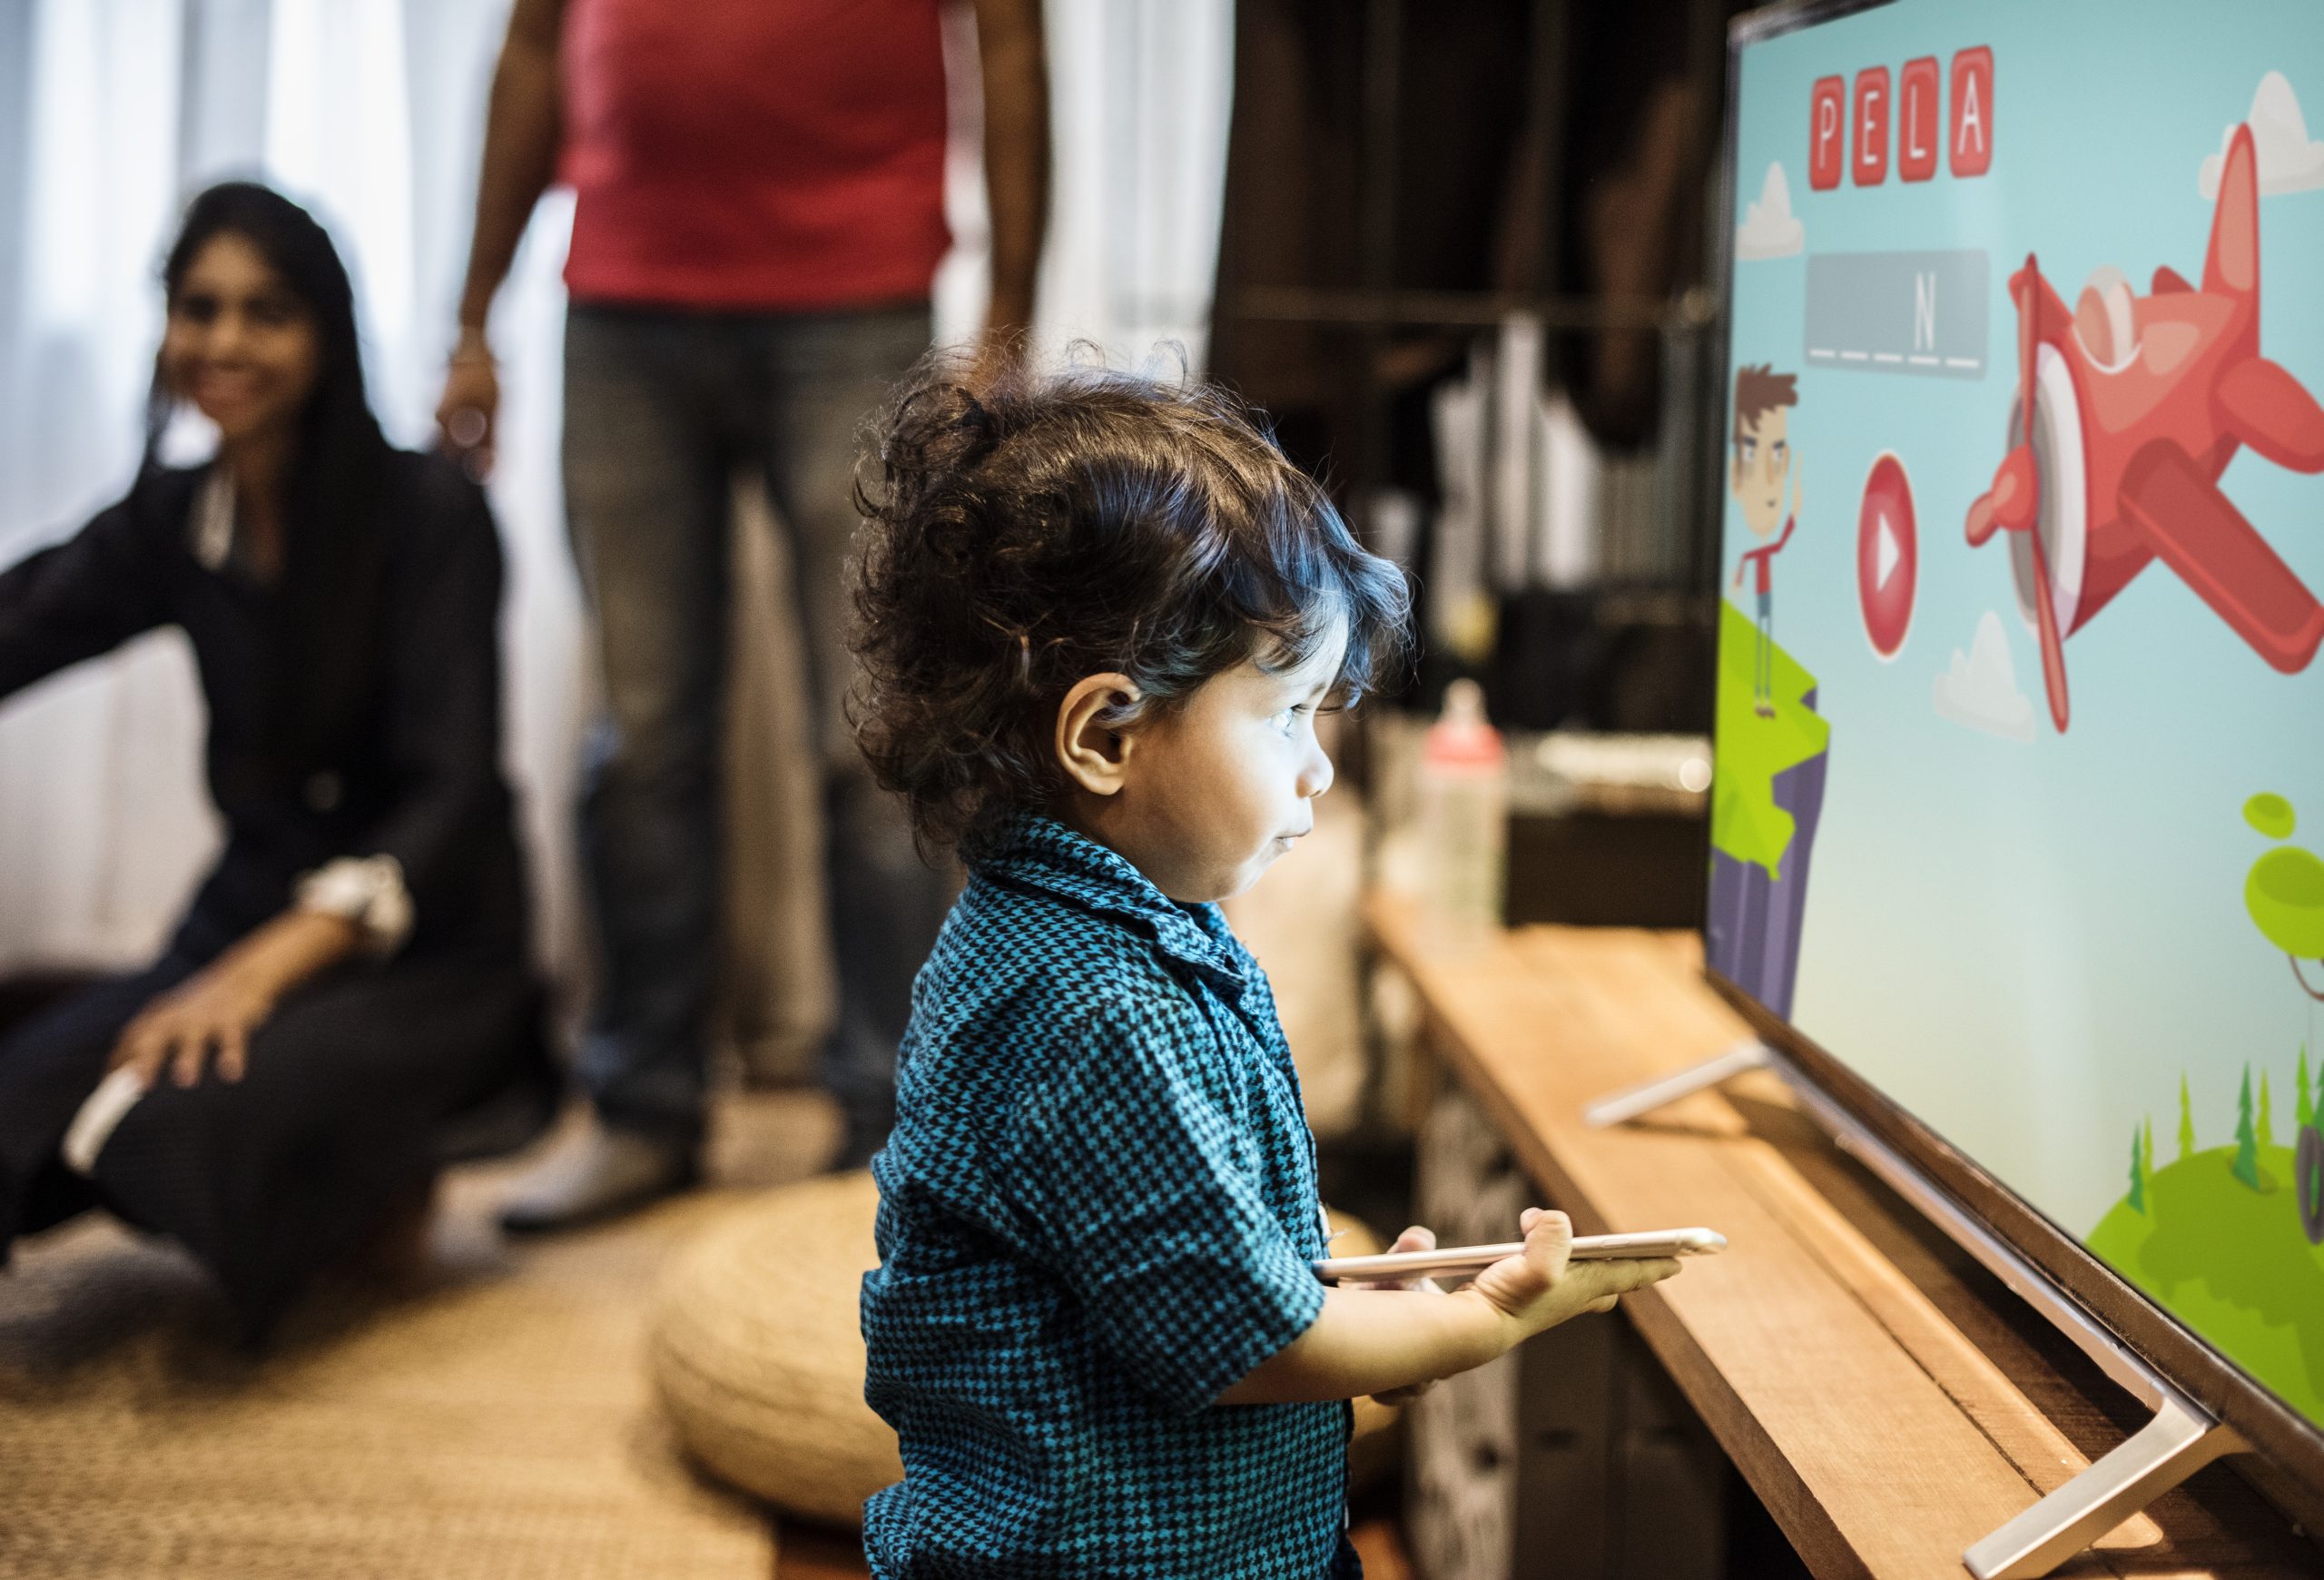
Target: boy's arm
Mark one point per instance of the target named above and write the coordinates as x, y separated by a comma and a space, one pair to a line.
1373, 1341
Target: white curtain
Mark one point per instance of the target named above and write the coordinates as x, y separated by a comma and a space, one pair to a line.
112, 112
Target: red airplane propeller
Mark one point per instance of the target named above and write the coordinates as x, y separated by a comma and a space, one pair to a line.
2143, 401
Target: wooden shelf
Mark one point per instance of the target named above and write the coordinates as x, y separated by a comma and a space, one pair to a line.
1885, 1398
1456, 310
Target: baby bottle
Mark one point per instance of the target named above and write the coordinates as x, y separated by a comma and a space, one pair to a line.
1464, 819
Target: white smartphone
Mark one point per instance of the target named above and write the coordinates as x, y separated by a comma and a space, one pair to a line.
1397, 1266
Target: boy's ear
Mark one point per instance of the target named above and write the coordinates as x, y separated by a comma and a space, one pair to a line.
1092, 746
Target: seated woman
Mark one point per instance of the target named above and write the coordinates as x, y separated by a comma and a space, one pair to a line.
354, 971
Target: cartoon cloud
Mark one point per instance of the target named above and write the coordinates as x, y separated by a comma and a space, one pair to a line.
1769, 229
1980, 688
2289, 161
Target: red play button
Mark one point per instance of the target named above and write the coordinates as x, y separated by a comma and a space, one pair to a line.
1888, 556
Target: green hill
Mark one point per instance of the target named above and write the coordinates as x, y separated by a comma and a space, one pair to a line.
1745, 821
2232, 1264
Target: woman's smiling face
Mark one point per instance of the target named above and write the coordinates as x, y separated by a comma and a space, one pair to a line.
239, 344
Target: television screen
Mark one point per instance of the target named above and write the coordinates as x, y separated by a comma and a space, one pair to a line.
2020, 783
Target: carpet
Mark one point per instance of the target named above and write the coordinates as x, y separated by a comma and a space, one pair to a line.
498, 1423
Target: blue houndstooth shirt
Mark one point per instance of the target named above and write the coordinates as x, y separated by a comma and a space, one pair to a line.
1096, 1213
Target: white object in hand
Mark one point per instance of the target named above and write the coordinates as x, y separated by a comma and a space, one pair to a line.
94, 1125
1395, 1267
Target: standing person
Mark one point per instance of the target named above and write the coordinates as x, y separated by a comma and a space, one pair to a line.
758, 219
354, 972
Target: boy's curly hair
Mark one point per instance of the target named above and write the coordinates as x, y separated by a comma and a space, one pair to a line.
1024, 530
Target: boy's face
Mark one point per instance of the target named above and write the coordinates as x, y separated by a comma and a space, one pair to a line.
1761, 466
1212, 792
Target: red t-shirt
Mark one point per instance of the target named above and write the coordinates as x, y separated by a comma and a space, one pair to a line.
755, 153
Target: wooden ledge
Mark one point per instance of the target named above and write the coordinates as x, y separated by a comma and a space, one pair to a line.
1826, 1348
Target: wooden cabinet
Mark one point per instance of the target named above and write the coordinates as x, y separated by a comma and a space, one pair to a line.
1575, 1457
1884, 1398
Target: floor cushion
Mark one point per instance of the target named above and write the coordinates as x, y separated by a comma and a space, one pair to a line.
758, 1357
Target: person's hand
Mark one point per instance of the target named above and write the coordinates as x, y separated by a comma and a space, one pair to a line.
1415, 1239
1542, 1286
220, 1008
469, 416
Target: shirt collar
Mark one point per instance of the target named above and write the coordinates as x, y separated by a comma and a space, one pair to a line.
1041, 854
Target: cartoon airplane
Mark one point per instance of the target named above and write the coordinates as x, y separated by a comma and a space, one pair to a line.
2131, 407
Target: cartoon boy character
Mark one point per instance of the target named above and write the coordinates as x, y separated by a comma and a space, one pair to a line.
1763, 464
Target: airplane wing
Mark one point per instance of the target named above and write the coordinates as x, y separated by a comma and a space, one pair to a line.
2266, 408
2199, 534
2169, 281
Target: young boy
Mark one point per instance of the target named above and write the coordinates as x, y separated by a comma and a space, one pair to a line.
1098, 618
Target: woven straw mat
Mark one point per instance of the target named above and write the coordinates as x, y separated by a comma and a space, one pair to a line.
498, 1427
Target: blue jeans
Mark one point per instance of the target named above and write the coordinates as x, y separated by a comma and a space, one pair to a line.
660, 406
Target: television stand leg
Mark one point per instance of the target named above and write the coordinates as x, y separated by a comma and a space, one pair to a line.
2180, 1440
1631, 1102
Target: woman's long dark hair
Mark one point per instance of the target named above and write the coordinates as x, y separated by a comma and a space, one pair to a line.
326, 624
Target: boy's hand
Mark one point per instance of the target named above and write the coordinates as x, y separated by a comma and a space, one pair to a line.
1415, 1239
1541, 1287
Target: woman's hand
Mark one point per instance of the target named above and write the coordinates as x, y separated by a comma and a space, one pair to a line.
1415, 1239
217, 1008
222, 1007
1542, 1286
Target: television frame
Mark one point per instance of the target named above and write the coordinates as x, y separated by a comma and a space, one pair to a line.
1968, 1202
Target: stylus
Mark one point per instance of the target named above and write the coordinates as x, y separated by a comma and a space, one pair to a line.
94, 1125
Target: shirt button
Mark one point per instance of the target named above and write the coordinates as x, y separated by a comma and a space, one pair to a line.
323, 792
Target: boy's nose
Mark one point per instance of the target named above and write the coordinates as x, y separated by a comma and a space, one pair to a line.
1315, 776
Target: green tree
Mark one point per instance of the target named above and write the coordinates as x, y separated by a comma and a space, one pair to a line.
2138, 1174
2266, 1114
2304, 1109
2245, 1166
2149, 1137
2186, 1123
